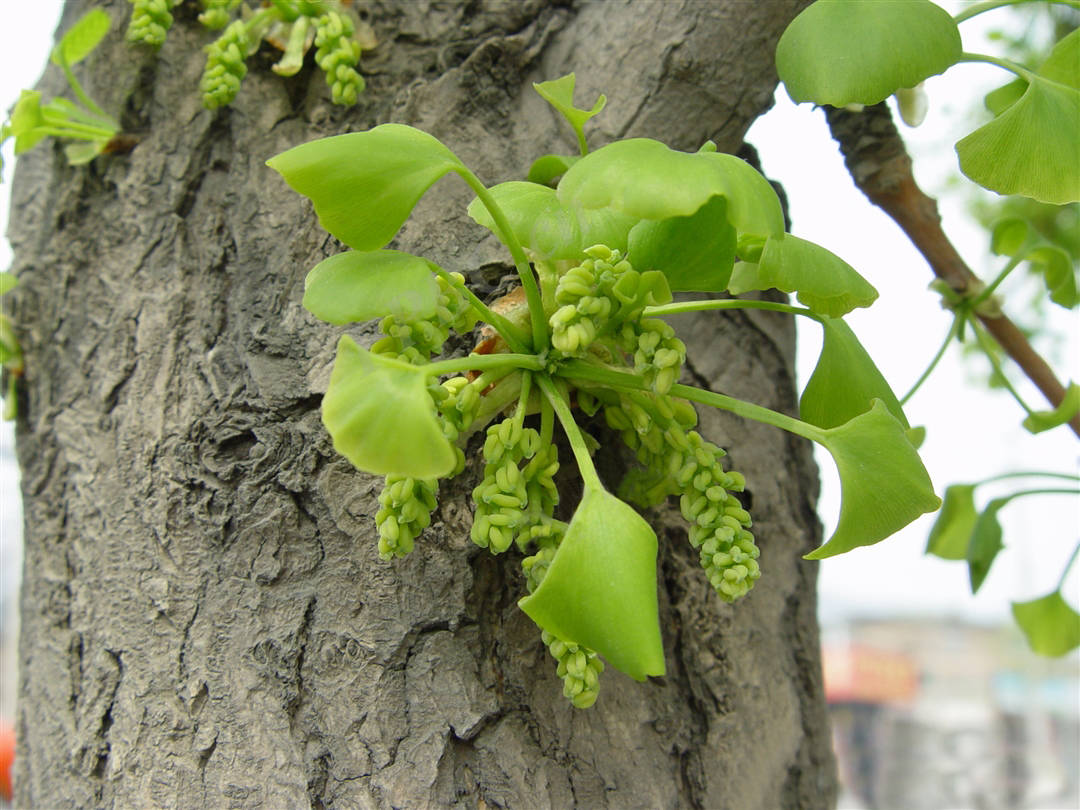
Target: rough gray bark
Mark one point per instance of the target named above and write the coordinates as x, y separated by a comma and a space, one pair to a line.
206, 622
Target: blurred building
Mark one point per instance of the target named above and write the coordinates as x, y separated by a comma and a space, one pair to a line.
943, 715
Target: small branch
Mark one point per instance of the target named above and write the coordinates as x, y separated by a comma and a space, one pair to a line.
881, 168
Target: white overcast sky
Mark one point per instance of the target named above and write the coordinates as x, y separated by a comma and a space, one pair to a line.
972, 434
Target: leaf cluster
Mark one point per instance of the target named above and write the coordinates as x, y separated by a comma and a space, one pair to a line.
600, 241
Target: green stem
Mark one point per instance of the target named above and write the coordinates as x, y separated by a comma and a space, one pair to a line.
988, 349
509, 331
547, 422
680, 307
990, 5
581, 370
521, 262
474, 362
1027, 474
1025, 492
85, 99
80, 133
561, 406
1068, 565
1014, 262
954, 329
1007, 64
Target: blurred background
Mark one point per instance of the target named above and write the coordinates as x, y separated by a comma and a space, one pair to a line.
935, 698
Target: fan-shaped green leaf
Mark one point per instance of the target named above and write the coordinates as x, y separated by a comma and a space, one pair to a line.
547, 227
1039, 421
951, 533
546, 168
883, 484
820, 279
985, 543
600, 590
1009, 236
1058, 272
559, 93
694, 253
845, 381
359, 286
81, 38
843, 52
1050, 624
999, 100
382, 418
364, 184
1030, 147
643, 179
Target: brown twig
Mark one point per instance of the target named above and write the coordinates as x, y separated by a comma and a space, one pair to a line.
881, 168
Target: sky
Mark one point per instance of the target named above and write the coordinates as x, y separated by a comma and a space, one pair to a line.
971, 435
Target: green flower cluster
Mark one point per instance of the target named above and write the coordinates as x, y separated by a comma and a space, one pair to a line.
225, 67
511, 500
338, 54
658, 354
592, 298
678, 461
407, 503
150, 21
415, 341
579, 667
216, 13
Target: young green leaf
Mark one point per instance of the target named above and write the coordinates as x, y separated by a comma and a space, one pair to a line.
10, 351
997, 101
1058, 272
1030, 148
883, 484
81, 38
84, 151
7, 282
27, 124
951, 533
549, 229
1049, 623
600, 590
694, 253
1039, 421
365, 184
559, 93
358, 286
842, 52
821, 280
546, 168
985, 543
845, 381
1009, 236
644, 179
381, 417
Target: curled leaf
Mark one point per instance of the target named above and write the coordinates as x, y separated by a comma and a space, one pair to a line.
985, 543
694, 253
381, 417
600, 590
1039, 421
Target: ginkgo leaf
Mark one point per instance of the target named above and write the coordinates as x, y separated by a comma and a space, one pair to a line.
1030, 147
883, 483
364, 185
845, 381
950, 535
600, 590
820, 279
381, 417
1050, 624
358, 286
694, 253
842, 52
81, 38
644, 179
1039, 421
985, 542
559, 93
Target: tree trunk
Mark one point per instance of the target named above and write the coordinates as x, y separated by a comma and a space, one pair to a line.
205, 619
